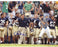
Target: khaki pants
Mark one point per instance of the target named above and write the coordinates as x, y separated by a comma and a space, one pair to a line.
22, 35
5, 31
36, 31
10, 30
15, 30
56, 31
2, 32
35, 34
28, 32
52, 31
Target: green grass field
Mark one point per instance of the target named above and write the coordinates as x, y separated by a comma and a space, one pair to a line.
26, 45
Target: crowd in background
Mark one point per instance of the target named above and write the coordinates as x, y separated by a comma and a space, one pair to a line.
29, 8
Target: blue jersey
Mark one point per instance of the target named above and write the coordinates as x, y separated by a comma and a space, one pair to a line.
16, 17
39, 24
16, 23
36, 23
23, 23
51, 24
11, 21
28, 21
2, 22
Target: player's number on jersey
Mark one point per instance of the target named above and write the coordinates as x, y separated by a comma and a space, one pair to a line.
34, 23
39, 24
52, 24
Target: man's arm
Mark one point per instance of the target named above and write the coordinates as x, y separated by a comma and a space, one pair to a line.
31, 25
24, 9
7, 23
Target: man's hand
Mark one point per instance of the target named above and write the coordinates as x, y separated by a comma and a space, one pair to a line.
39, 18
25, 10
6, 25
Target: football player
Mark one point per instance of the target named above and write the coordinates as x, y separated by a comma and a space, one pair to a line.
10, 27
45, 29
6, 28
28, 30
52, 28
56, 17
31, 28
36, 27
15, 27
22, 28
3, 24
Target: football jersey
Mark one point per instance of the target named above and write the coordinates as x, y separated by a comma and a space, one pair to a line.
46, 23
36, 22
28, 21
23, 23
2, 22
16, 23
39, 23
51, 24
10, 21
